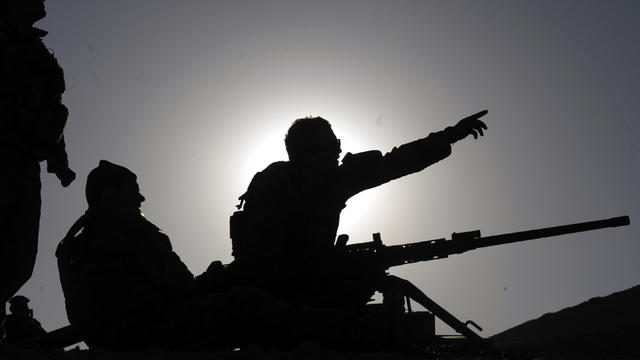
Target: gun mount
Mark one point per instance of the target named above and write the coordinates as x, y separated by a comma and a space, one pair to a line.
347, 276
376, 256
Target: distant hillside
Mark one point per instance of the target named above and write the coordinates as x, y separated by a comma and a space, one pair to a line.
600, 328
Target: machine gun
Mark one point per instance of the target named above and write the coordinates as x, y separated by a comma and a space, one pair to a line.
376, 255
389, 256
347, 276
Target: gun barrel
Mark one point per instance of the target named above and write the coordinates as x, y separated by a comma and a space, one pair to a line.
552, 231
441, 248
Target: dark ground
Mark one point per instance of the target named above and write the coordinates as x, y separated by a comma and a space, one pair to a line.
600, 328
304, 351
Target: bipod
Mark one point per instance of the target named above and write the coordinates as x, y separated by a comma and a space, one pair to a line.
412, 292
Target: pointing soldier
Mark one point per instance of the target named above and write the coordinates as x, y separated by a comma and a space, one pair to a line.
292, 208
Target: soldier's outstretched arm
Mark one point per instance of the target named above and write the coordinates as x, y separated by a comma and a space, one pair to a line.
369, 169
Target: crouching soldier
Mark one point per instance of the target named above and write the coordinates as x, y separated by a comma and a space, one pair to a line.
126, 289
21, 325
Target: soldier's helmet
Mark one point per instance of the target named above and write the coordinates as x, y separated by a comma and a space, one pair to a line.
106, 175
311, 135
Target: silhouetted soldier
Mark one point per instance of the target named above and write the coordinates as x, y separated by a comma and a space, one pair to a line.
125, 288
32, 120
292, 209
20, 324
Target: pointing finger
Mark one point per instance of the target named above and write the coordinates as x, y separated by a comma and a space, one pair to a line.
479, 114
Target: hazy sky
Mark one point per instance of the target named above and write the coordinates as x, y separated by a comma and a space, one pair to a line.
195, 97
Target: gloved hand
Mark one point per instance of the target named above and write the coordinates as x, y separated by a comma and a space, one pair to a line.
471, 125
65, 175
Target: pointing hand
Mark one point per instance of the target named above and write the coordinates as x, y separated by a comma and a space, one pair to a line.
471, 125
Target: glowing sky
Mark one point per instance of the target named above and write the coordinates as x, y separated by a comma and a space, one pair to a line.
195, 97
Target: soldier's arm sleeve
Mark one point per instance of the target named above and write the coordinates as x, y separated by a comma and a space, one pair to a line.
369, 169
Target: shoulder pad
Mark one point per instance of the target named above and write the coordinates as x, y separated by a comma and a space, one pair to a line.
362, 157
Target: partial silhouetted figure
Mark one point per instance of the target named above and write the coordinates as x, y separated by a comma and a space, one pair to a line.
292, 208
32, 120
21, 325
126, 289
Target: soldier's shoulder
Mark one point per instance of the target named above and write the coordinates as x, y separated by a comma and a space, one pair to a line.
125, 218
275, 172
271, 180
361, 158
277, 167
130, 231
137, 218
